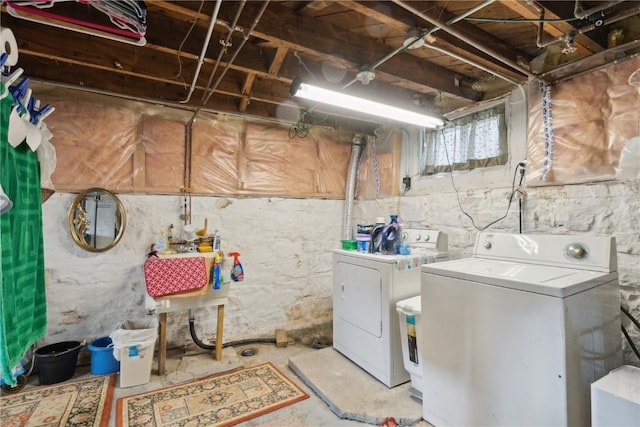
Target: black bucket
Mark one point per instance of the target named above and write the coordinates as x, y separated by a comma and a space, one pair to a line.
57, 362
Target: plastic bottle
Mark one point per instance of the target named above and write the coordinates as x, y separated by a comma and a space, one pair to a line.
216, 271
391, 237
398, 240
161, 244
216, 242
376, 236
237, 272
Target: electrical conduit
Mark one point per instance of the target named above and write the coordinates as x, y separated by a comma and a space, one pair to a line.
212, 24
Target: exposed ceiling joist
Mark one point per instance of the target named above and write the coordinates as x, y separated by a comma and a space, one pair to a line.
330, 42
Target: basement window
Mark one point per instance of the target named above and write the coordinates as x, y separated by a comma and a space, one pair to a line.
476, 140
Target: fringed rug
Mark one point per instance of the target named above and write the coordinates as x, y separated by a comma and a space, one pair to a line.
74, 403
220, 400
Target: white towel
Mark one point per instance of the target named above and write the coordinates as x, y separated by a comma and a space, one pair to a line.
5, 202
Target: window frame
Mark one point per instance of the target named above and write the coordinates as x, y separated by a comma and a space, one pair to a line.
471, 164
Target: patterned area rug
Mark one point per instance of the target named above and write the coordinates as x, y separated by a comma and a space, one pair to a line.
74, 403
220, 400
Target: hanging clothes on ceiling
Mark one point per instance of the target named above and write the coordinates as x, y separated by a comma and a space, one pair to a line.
126, 20
23, 307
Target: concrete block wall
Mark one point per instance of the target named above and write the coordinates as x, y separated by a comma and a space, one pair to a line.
285, 247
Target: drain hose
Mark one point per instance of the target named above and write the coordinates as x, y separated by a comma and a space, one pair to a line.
199, 343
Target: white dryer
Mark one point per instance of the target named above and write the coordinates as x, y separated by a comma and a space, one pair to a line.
366, 288
516, 334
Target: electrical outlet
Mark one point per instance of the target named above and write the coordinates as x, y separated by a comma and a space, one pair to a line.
406, 181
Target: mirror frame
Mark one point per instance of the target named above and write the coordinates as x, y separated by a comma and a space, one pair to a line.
76, 235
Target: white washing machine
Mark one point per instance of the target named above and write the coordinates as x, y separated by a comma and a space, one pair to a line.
515, 334
366, 288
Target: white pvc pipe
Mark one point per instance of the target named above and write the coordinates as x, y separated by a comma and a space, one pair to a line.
205, 46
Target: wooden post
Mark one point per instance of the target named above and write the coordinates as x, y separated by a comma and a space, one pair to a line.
162, 353
281, 338
219, 336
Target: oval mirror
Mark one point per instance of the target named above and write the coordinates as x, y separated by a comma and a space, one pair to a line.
96, 220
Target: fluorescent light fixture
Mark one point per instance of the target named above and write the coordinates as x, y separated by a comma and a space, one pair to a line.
338, 99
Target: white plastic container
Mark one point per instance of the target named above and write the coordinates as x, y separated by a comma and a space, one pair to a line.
135, 365
133, 345
615, 398
410, 317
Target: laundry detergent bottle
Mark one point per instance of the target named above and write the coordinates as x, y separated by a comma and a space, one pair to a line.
391, 237
376, 236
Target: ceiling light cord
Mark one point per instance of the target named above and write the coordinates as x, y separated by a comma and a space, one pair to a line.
302, 126
303, 65
193, 24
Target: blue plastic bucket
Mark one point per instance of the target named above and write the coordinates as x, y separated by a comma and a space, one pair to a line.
102, 360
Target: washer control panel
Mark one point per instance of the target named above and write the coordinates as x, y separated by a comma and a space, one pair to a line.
575, 250
585, 251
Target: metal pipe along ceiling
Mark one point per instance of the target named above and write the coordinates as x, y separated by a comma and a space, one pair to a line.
227, 42
402, 48
473, 63
463, 15
580, 13
605, 21
211, 90
462, 58
399, 49
465, 39
205, 45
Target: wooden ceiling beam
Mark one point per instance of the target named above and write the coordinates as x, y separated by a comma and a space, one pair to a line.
246, 91
278, 59
324, 42
311, 8
76, 51
404, 22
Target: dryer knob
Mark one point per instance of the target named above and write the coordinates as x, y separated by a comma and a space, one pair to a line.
575, 250
487, 245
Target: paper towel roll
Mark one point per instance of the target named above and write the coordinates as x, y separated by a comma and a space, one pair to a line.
9, 46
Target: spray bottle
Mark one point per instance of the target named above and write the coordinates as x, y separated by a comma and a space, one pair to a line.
237, 272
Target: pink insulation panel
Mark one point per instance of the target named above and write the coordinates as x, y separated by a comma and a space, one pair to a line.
591, 117
273, 162
164, 141
94, 144
215, 156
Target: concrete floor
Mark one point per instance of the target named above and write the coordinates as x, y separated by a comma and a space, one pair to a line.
193, 363
340, 392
